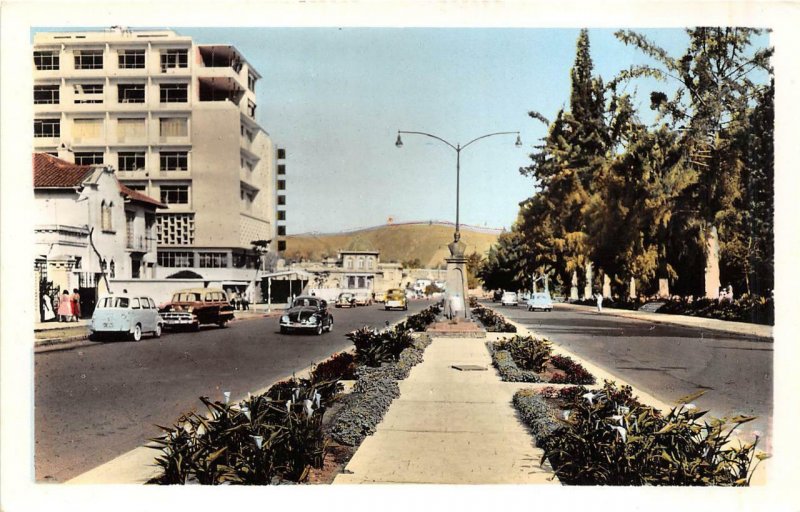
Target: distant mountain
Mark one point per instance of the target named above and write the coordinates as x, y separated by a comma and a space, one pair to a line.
426, 241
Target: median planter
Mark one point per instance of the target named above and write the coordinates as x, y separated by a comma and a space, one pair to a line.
607, 437
530, 359
492, 321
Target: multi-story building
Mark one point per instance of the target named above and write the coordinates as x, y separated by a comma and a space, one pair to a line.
177, 120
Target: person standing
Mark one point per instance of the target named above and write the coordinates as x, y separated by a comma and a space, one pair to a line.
47, 308
599, 298
64, 307
76, 304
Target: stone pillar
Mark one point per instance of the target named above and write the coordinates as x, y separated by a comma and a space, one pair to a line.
663, 288
606, 286
587, 289
573, 291
712, 264
632, 289
457, 275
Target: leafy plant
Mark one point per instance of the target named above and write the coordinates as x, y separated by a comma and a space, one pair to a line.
574, 373
492, 321
339, 366
529, 353
374, 347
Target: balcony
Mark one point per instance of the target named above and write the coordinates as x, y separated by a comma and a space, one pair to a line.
139, 243
63, 235
222, 89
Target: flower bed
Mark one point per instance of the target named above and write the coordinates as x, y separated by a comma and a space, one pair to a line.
420, 321
607, 437
529, 359
492, 321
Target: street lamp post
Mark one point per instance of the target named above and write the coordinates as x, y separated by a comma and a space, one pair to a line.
456, 264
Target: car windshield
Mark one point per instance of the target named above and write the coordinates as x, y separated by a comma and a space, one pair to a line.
305, 301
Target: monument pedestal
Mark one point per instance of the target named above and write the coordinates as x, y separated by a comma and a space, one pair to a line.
457, 279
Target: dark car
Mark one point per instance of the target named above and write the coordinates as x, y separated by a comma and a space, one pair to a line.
307, 314
497, 295
195, 306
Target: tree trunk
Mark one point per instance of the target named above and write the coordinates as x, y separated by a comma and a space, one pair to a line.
712, 282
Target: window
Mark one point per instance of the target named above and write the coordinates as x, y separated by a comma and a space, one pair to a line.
130, 93
138, 188
174, 160
281, 169
135, 304
281, 153
131, 161
89, 158
281, 245
105, 215
46, 60
369, 263
88, 93
131, 59
112, 270
171, 59
360, 262
212, 259
176, 259
89, 59
281, 230
175, 194
173, 127
86, 129
174, 93
130, 129
130, 218
175, 228
251, 82
47, 127
251, 109
281, 214
46, 94
145, 303
281, 184
281, 200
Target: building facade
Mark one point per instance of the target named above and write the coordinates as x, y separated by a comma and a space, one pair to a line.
177, 119
89, 230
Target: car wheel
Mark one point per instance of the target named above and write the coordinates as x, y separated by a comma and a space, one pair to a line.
319, 329
222, 324
195, 327
136, 335
157, 332
94, 337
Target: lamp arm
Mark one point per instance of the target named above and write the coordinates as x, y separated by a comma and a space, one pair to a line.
488, 135
431, 136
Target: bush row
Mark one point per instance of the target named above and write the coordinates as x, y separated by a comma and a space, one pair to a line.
492, 321
523, 358
372, 395
420, 321
607, 437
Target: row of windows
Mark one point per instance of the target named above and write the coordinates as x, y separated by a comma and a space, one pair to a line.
127, 59
127, 128
186, 259
170, 194
126, 93
135, 161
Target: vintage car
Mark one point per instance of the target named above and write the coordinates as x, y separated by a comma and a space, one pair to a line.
307, 314
345, 300
127, 315
196, 306
363, 298
540, 300
396, 298
509, 299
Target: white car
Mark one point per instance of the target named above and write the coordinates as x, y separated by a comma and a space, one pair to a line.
125, 314
540, 300
509, 299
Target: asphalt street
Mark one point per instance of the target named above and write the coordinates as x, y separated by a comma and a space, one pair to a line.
668, 361
97, 402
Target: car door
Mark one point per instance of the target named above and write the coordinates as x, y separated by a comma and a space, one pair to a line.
136, 314
148, 318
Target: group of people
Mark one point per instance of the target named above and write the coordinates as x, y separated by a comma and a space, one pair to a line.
67, 307
239, 301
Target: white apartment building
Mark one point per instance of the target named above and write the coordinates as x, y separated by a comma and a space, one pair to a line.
177, 121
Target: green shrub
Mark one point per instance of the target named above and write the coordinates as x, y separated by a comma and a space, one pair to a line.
508, 369
492, 321
420, 321
607, 437
529, 353
374, 347
537, 413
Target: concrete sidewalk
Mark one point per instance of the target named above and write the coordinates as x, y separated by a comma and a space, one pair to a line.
712, 324
450, 427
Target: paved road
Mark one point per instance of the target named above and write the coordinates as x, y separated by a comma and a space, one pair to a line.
668, 361
97, 402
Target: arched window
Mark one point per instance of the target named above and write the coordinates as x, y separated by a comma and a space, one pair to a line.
105, 216
112, 268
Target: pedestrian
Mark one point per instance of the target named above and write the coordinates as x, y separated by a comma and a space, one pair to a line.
47, 308
245, 303
76, 304
599, 298
64, 307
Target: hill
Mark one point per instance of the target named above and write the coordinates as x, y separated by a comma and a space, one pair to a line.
397, 242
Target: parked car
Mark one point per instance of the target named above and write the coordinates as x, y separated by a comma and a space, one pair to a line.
308, 314
363, 298
509, 299
396, 299
497, 295
540, 300
125, 314
345, 300
196, 306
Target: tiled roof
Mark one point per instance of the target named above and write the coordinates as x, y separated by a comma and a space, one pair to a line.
138, 196
52, 172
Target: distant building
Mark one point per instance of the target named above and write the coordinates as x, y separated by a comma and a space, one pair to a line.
177, 119
89, 228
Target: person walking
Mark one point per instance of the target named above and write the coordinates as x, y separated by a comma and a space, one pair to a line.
76, 304
47, 308
599, 298
64, 307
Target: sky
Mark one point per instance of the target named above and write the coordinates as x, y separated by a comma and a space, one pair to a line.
335, 98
